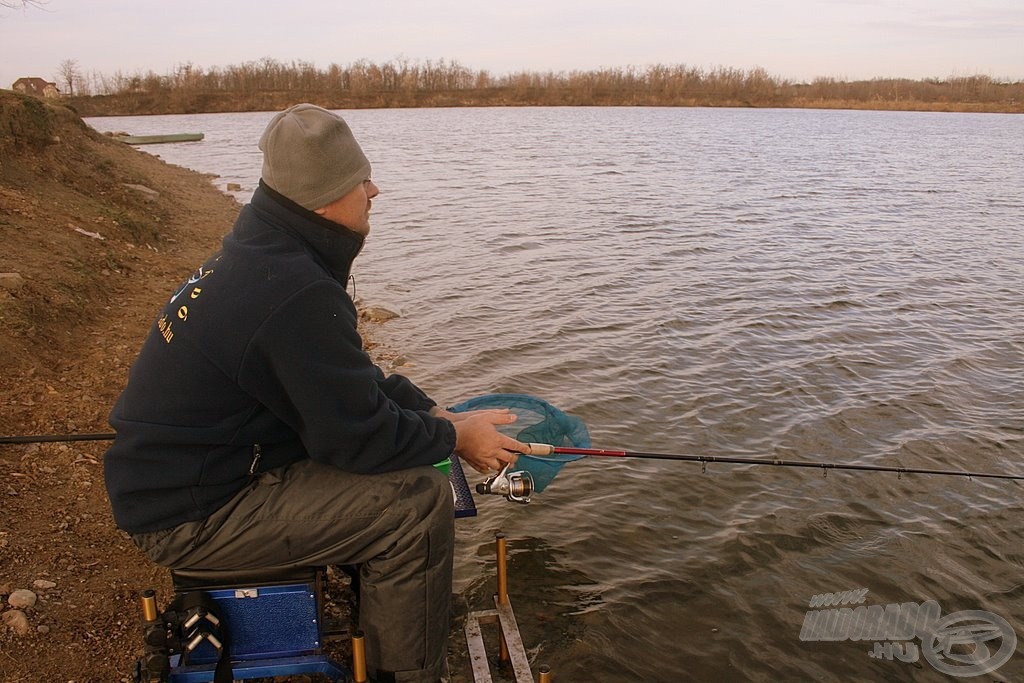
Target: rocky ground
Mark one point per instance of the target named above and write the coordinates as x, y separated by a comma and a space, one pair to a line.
94, 236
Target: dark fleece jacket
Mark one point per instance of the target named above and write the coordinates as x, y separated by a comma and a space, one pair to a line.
254, 363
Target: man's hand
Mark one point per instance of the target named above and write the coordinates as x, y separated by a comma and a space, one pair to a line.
478, 442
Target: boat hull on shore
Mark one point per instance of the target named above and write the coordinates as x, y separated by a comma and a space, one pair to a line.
157, 139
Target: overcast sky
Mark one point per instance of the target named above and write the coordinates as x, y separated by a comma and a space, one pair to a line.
795, 39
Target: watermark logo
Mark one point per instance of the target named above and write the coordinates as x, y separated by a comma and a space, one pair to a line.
967, 643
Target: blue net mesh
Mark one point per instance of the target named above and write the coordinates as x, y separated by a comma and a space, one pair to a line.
537, 421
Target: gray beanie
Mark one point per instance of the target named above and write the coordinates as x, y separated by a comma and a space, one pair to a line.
311, 157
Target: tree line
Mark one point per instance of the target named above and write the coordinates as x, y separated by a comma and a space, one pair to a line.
268, 83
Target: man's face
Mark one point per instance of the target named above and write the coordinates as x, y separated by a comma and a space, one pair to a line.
353, 210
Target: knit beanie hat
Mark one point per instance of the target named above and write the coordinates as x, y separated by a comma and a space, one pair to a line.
311, 157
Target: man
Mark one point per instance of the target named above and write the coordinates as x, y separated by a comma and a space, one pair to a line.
255, 431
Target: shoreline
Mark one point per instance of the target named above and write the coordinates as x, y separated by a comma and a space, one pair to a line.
119, 106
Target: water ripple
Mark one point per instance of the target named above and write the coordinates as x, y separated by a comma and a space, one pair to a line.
813, 285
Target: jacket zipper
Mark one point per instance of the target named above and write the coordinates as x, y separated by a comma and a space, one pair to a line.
257, 453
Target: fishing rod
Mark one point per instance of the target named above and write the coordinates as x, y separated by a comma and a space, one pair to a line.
519, 485
541, 449
50, 438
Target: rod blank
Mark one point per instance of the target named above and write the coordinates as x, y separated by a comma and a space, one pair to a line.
542, 449
50, 438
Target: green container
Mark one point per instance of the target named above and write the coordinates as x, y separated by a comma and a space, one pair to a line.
445, 466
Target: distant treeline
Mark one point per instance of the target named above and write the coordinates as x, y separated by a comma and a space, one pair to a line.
268, 84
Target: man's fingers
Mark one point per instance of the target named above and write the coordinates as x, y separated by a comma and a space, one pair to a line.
515, 448
502, 416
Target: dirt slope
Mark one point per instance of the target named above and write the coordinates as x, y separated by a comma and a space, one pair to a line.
94, 234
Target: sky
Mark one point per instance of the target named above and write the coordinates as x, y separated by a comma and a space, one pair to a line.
793, 39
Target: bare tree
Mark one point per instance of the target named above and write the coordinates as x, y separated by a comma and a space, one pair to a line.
22, 4
68, 74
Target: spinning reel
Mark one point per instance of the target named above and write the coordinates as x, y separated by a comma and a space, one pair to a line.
515, 486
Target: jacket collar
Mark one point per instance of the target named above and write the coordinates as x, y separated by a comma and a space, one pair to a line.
335, 245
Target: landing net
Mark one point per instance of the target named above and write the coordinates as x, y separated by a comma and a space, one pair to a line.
537, 421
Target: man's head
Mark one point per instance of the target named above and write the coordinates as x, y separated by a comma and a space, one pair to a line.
311, 157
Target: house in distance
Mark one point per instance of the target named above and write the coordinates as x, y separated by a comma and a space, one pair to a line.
36, 86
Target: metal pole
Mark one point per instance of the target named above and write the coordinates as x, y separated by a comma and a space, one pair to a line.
155, 662
359, 657
149, 613
501, 549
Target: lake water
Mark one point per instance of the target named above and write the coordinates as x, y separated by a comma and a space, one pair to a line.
829, 286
